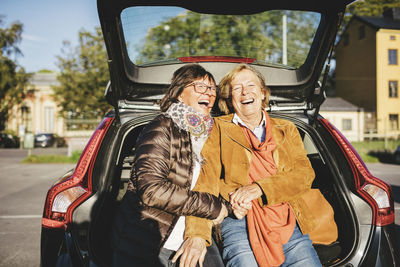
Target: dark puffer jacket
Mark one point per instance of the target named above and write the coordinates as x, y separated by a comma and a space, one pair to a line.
159, 191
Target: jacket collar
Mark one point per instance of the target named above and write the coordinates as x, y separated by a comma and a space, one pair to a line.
234, 131
236, 134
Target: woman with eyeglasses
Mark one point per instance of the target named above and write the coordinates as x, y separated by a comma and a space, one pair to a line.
150, 223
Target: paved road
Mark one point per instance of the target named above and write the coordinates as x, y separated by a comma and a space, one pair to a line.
23, 189
22, 192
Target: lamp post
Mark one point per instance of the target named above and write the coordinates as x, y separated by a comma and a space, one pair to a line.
284, 39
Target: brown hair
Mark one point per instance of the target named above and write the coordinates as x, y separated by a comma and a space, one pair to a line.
225, 100
180, 79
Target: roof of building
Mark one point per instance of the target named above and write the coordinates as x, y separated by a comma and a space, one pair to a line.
390, 19
338, 104
44, 79
381, 22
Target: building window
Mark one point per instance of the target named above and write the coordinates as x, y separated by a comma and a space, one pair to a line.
346, 39
393, 121
347, 124
392, 38
393, 89
49, 115
392, 53
361, 32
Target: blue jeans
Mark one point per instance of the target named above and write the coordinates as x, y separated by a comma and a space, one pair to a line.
237, 251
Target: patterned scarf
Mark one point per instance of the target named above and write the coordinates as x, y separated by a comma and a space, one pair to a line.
198, 125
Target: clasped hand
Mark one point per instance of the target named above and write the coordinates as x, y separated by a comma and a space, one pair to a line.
242, 197
193, 250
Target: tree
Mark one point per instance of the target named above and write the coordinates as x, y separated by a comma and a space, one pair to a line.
368, 8
13, 78
257, 36
83, 77
372, 8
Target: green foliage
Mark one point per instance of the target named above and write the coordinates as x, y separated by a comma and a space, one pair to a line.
53, 158
370, 8
45, 71
83, 77
256, 36
13, 78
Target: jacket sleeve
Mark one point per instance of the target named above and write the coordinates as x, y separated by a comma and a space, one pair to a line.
208, 181
150, 176
295, 178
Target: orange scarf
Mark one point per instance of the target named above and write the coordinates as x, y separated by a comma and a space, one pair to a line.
270, 226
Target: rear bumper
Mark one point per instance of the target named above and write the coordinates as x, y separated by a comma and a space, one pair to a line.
58, 249
383, 250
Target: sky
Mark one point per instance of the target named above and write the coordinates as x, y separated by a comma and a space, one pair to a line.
46, 24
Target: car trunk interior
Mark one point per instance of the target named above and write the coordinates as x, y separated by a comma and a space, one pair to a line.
325, 181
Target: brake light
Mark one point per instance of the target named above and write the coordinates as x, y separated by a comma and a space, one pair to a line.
375, 191
216, 59
72, 190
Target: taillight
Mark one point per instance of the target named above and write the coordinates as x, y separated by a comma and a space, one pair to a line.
72, 190
376, 192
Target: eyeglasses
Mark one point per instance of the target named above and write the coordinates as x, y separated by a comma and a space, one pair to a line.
202, 88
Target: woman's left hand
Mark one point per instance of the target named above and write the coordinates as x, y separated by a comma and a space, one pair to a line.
193, 250
245, 194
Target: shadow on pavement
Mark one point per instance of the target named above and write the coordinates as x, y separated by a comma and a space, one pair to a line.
383, 156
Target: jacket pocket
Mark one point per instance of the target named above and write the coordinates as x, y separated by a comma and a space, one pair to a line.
316, 217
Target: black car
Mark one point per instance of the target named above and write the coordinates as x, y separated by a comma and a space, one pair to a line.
79, 207
8, 141
49, 140
397, 155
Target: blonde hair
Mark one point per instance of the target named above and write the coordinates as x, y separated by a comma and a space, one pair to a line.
225, 86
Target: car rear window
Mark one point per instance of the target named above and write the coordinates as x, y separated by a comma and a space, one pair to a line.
159, 35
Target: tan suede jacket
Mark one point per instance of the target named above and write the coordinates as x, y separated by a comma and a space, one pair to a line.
227, 157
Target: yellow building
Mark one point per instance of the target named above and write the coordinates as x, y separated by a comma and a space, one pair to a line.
38, 112
368, 70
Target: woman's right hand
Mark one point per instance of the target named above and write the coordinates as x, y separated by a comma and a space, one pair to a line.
240, 210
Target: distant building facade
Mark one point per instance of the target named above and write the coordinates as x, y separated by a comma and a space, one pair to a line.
368, 70
347, 117
38, 112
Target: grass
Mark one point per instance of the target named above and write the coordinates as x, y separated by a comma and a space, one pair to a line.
376, 151
53, 158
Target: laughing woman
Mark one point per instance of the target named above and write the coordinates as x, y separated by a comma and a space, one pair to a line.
259, 163
150, 223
